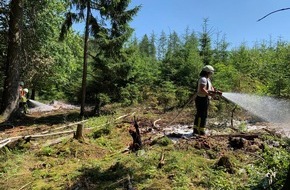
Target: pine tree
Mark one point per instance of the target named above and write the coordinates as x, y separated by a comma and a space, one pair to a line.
205, 44
144, 46
162, 46
110, 39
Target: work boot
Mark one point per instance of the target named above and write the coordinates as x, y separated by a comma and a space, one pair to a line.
201, 131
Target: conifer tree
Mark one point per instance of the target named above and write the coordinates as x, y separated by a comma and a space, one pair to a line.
152, 46
144, 46
205, 44
162, 46
12, 75
110, 39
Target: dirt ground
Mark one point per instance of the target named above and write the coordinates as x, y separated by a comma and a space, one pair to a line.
155, 127
152, 125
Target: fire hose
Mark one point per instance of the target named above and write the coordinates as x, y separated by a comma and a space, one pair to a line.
215, 94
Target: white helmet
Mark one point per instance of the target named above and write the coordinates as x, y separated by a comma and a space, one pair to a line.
208, 69
25, 90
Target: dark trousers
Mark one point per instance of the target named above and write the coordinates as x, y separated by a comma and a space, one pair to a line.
24, 107
201, 104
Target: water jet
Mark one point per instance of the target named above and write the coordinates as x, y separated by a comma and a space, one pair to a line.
267, 108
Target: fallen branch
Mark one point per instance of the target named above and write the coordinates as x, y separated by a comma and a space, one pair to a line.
55, 141
124, 116
273, 133
154, 123
118, 182
161, 161
25, 185
50, 134
4, 144
4, 141
12, 139
236, 130
65, 126
245, 136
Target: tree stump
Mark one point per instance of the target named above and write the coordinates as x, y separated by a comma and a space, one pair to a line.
79, 133
135, 133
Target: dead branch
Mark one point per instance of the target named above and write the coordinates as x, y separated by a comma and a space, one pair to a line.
272, 13
118, 182
5, 143
12, 139
123, 116
161, 160
50, 134
154, 123
64, 126
55, 141
25, 185
232, 116
245, 136
273, 133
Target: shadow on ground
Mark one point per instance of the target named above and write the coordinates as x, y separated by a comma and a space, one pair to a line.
117, 176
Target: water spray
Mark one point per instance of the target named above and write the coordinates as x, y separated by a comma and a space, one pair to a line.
267, 108
38, 106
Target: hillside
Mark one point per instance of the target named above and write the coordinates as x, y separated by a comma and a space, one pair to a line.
228, 158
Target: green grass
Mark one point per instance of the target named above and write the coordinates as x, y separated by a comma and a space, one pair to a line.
101, 163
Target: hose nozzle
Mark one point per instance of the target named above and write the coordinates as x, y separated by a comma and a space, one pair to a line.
215, 92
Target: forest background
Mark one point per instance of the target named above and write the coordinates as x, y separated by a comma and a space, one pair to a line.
108, 65
159, 68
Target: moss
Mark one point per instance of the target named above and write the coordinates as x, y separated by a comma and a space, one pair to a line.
164, 141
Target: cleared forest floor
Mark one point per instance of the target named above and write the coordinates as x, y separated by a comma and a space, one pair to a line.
45, 155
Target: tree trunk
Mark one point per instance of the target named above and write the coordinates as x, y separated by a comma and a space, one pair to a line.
96, 111
287, 181
84, 79
32, 97
79, 132
11, 80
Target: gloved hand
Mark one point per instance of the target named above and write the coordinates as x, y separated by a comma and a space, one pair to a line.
215, 94
219, 92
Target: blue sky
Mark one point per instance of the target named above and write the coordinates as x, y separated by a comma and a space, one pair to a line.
236, 19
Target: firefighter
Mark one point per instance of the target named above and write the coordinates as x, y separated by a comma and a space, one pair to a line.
205, 91
23, 100
21, 86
